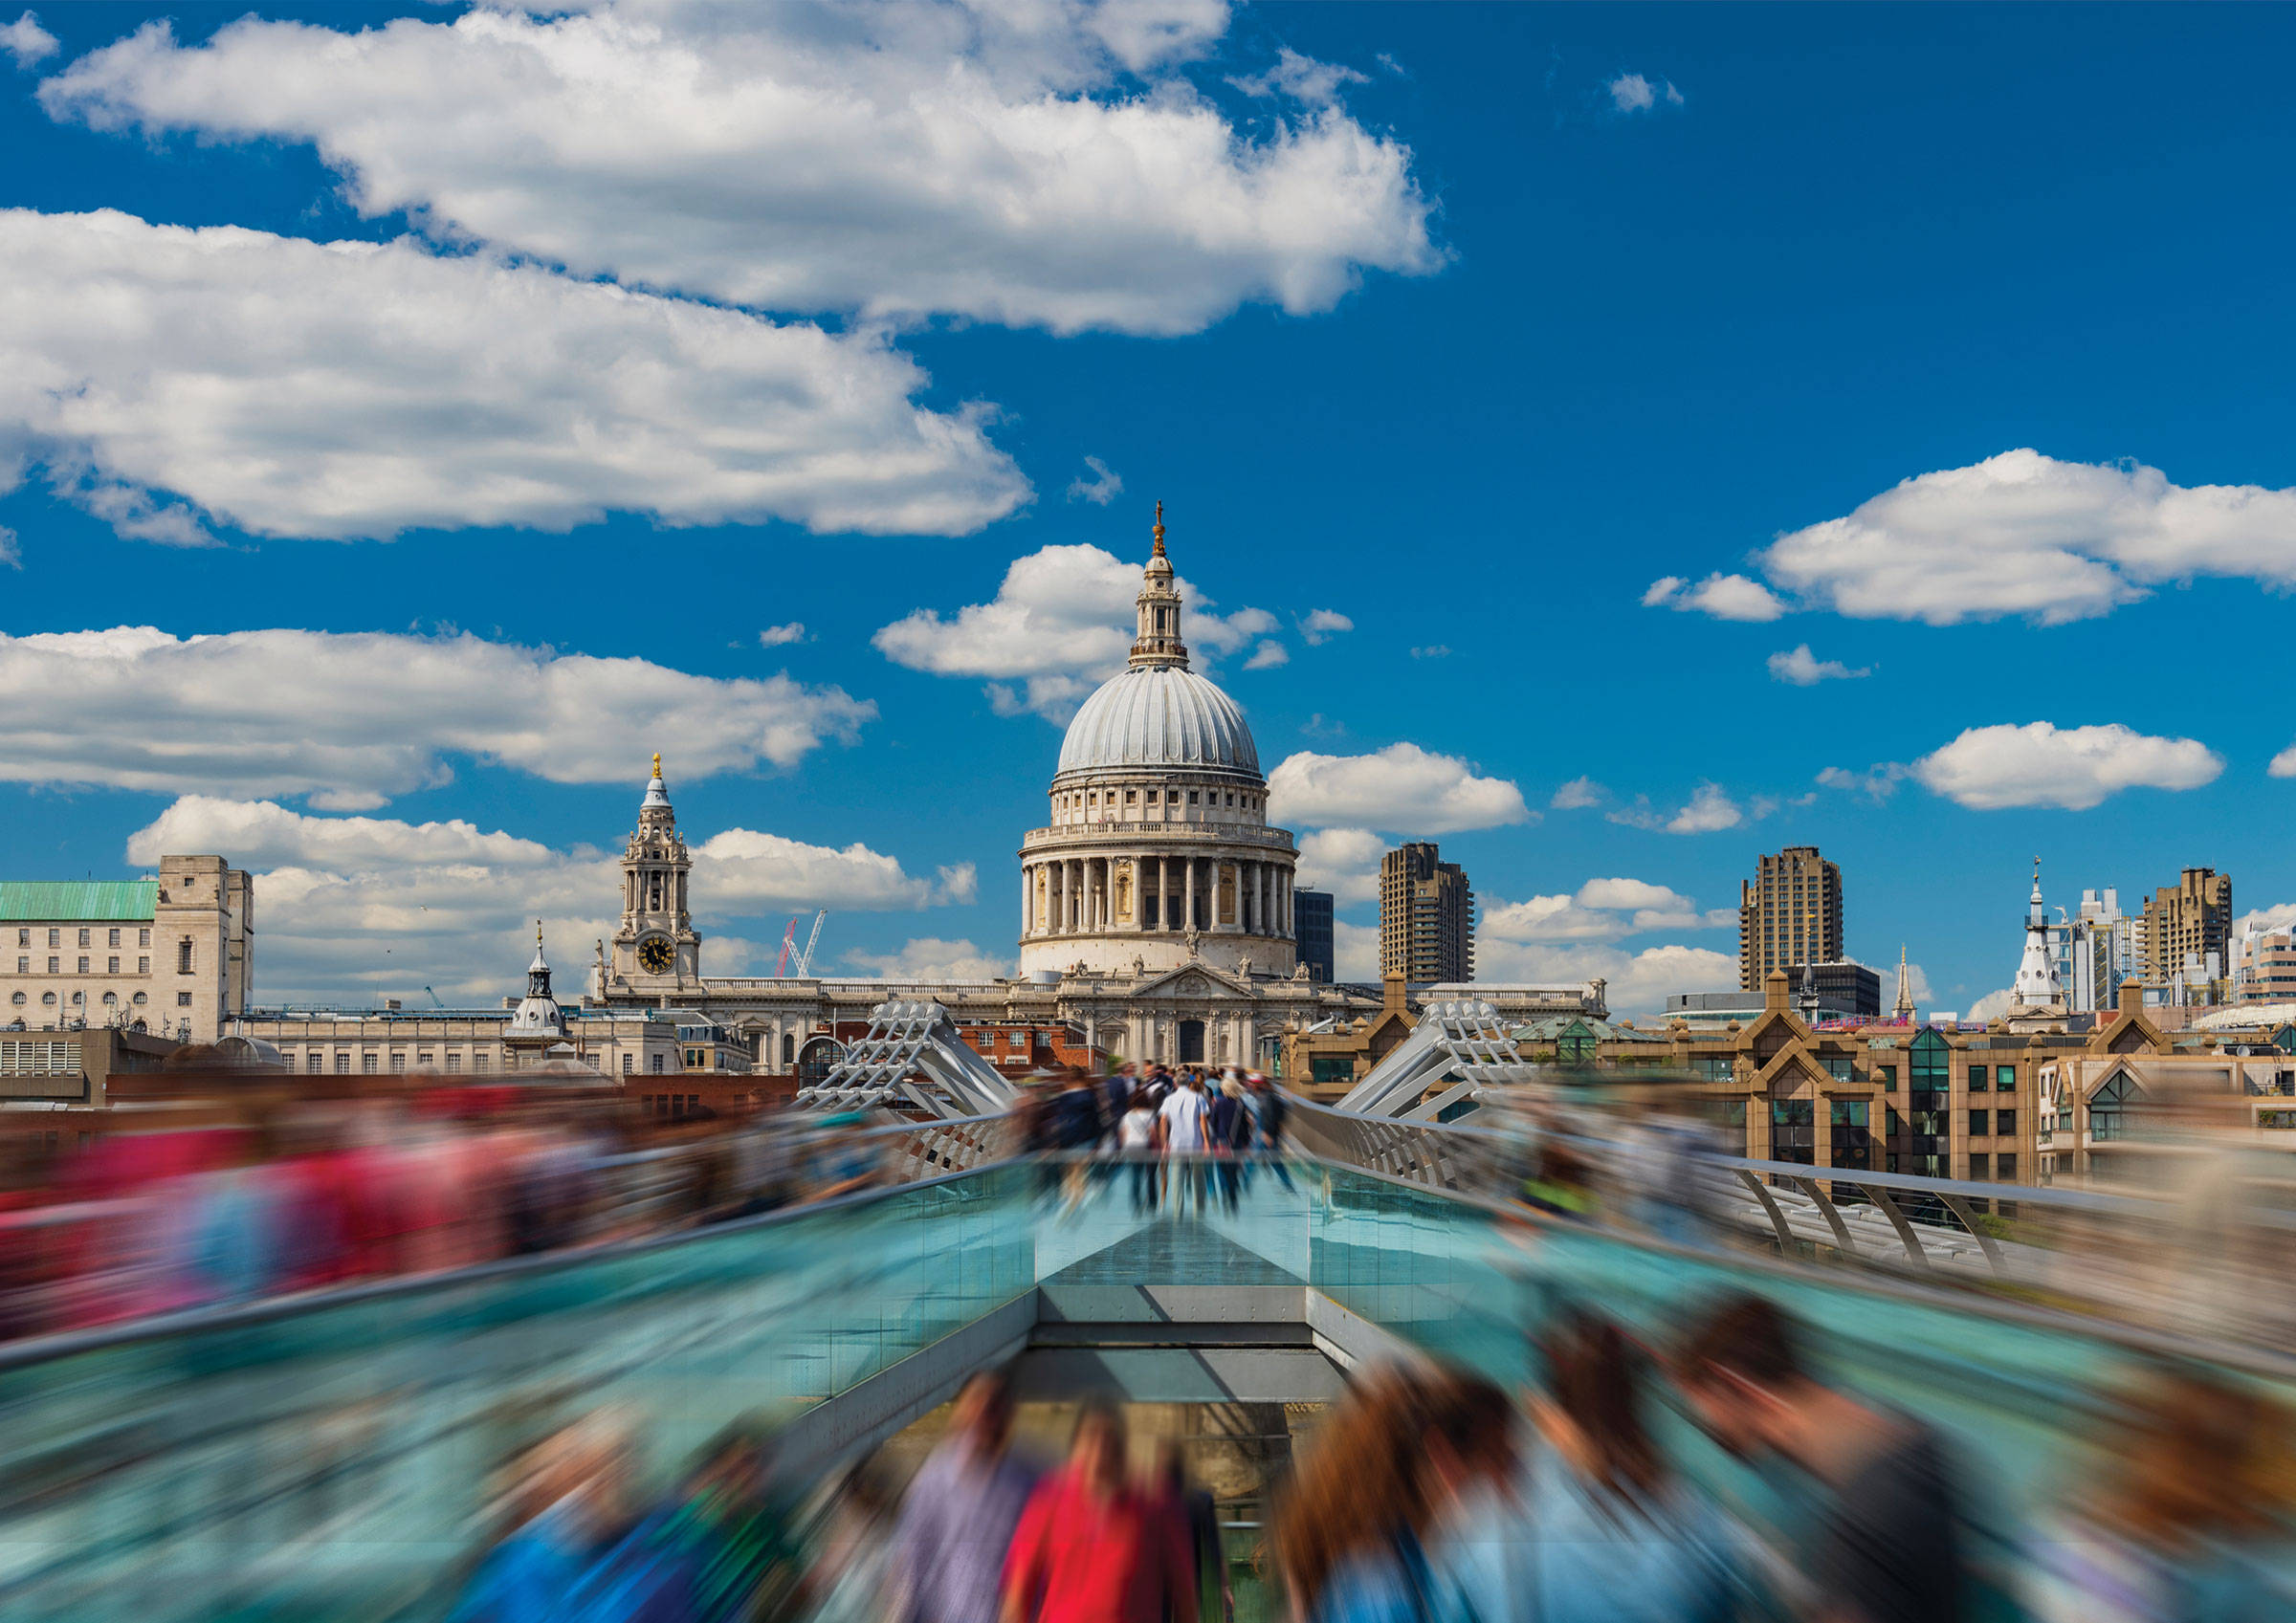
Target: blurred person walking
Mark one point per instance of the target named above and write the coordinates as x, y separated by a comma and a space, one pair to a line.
1270, 1115
1228, 1127
1196, 1511
2184, 1516
1135, 1143
958, 1520
1349, 1539
1615, 1537
1887, 1544
565, 1510
1186, 1117
1477, 1540
1094, 1548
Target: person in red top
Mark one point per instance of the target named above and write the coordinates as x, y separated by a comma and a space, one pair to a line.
1092, 1548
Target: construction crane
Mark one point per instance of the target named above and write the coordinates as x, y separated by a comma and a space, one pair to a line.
436, 998
804, 959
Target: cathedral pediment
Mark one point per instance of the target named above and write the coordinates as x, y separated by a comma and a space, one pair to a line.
1194, 981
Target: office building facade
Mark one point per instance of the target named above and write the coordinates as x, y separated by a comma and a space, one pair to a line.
1427, 917
2186, 932
1312, 924
1789, 914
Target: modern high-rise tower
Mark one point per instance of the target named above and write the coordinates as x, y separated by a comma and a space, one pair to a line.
1789, 914
2189, 920
1427, 917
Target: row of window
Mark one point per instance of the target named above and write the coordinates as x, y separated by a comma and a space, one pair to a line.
1097, 799
56, 965
79, 1000
370, 1060
55, 937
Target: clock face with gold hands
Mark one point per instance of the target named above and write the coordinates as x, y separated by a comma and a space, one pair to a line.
655, 955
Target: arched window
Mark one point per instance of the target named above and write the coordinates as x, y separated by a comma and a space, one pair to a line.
141, 999
788, 1048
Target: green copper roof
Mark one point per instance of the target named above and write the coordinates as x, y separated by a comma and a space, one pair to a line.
71, 901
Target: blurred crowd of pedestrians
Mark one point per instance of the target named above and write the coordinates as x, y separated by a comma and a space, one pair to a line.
328, 1194
1178, 1135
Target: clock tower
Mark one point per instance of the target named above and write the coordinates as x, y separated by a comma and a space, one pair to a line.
655, 948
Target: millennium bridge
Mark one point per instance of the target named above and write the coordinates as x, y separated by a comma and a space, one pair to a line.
330, 1456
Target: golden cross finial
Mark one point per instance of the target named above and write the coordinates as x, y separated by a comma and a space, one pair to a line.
537, 933
1160, 529
657, 763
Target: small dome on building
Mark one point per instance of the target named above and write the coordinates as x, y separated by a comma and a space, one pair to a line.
1158, 716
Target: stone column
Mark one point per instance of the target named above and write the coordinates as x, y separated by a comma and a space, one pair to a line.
1164, 894
1028, 897
1188, 901
1290, 923
1075, 895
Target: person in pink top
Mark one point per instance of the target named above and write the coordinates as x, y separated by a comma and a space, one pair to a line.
1092, 1548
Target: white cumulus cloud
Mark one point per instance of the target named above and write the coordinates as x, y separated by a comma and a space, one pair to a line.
2040, 764
354, 908
349, 390
1639, 93
1036, 166
2284, 764
1269, 654
27, 41
351, 719
1343, 861
780, 636
1302, 79
1322, 625
743, 870
1579, 794
1062, 622
1638, 983
1600, 909
1724, 597
1102, 488
1401, 788
930, 957
1806, 670
2027, 535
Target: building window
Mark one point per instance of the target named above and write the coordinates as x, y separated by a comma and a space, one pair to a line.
83, 964
1976, 1079
143, 937
16, 999
1191, 797
2004, 1079
654, 1064
2108, 1108
140, 999
183, 957
1979, 1126
23, 966
2005, 1169
1887, 1076
143, 966
1793, 1130
56, 938
183, 999
114, 965
343, 1062
23, 937
2005, 1121
56, 965
453, 1062
115, 940
83, 938
481, 1059
1980, 1167
629, 1063
370, 1063
398, 1062
1853, 1136
47, 1000
315, 1062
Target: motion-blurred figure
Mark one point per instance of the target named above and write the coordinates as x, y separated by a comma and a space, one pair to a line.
957, 1521
1350, 1536
1478, 1545
853, 1574
1135, 1142
1092, 1548
1887, 1544
563, 1511
2183, 1516
1619, 1538
1193, 1506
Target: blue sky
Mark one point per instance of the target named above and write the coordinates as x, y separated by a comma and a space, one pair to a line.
1626, 377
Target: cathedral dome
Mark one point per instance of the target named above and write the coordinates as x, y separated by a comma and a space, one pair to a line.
1158, 716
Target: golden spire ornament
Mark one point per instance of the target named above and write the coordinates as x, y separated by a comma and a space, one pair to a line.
657, 763
1160, 529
